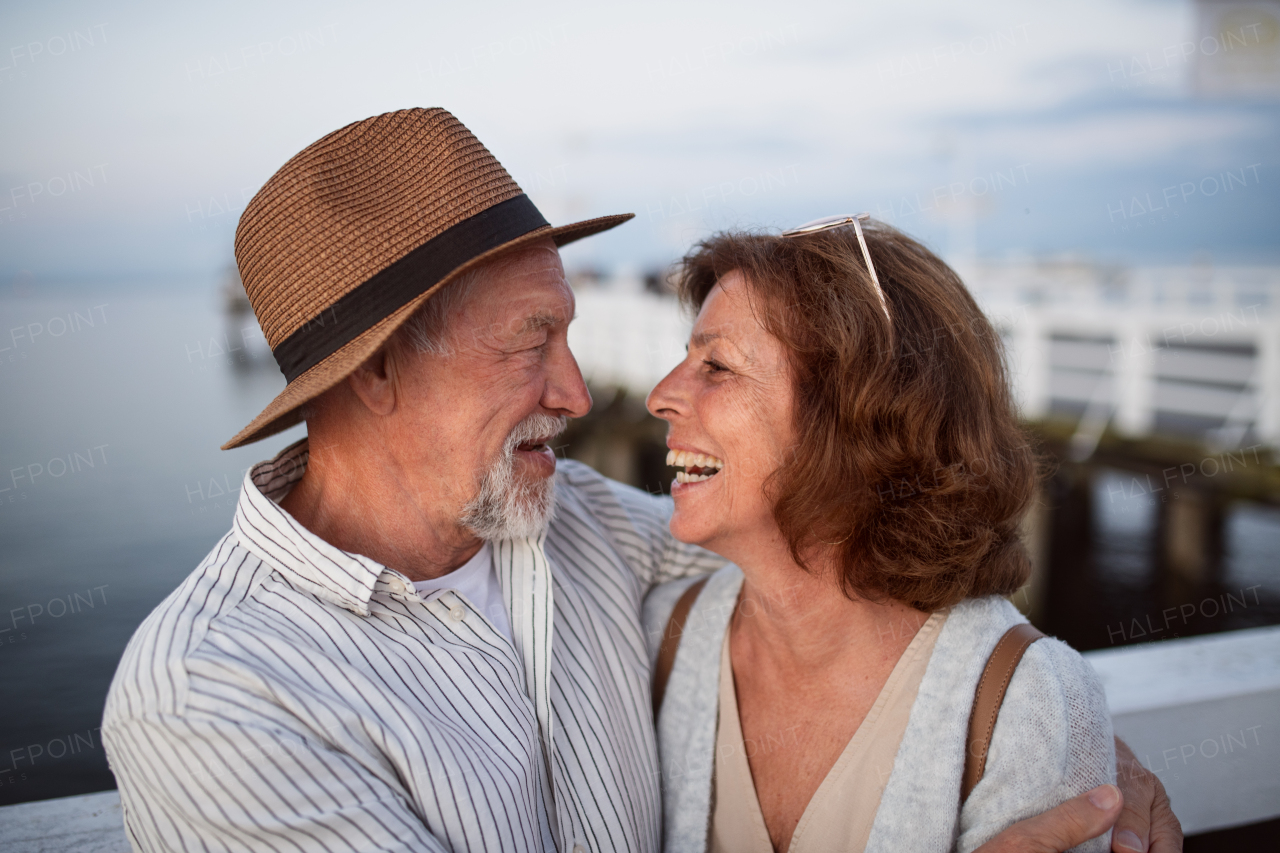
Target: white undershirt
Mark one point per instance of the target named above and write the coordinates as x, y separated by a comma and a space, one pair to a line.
477, 582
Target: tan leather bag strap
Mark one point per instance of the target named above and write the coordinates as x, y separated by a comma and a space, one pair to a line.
988, 698
671, 642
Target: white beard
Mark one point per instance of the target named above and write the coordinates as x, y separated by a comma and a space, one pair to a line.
508, 508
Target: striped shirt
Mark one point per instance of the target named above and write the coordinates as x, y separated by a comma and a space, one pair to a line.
292, 696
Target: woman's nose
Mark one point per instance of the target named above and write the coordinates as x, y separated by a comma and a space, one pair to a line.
665, 400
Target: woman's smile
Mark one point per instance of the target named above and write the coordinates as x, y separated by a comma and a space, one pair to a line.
699, 467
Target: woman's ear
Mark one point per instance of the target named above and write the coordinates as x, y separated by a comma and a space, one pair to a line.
374, 382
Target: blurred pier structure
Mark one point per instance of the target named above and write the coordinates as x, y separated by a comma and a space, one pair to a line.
1155, 393
1187, 352
243, 345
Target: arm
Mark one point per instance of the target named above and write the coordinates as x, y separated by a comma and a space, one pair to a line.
1052, 743
1145, 811
1063, 827
202, 783
1141, 815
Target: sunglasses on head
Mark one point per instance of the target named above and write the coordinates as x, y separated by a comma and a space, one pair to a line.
839, 221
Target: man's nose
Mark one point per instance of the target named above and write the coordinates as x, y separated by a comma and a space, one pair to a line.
566, 391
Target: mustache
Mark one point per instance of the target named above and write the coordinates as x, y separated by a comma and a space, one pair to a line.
536, 426
507, 508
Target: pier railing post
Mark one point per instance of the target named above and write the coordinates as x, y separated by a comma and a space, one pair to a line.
1189, 545
1070, 588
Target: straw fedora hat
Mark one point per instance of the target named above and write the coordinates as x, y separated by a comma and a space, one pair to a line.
357, 231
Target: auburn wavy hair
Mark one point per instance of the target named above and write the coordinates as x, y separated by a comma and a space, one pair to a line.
909, 458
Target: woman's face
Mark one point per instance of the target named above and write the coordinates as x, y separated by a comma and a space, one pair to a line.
729, 406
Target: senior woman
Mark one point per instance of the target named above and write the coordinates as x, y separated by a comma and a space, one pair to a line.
849, 443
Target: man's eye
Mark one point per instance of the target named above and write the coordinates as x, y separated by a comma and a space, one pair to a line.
714, 366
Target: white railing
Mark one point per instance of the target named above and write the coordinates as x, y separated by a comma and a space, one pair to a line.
1184, 341
88, 824
1203, 713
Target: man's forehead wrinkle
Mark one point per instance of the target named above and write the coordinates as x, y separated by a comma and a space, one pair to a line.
534, 313
541, 319
519, 300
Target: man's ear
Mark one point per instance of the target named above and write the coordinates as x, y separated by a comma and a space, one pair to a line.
374, 382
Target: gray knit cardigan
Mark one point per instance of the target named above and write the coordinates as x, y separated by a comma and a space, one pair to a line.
1052, 742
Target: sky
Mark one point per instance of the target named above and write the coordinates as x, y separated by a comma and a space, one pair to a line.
135, 133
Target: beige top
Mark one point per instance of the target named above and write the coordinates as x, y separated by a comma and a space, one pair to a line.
840, 815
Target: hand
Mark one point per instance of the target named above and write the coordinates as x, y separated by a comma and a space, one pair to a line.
1147, 815
1074, 822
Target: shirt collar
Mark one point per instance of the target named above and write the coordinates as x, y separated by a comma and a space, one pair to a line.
276, 538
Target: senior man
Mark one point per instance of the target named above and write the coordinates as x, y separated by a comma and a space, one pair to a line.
418, 634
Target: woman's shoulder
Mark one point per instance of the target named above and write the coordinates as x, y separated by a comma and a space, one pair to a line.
1052, 739
973, 628
1053, 689
982, 619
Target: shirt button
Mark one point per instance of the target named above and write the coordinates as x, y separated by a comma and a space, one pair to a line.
457, 613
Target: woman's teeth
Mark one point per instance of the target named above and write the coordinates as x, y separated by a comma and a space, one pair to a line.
701, 466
